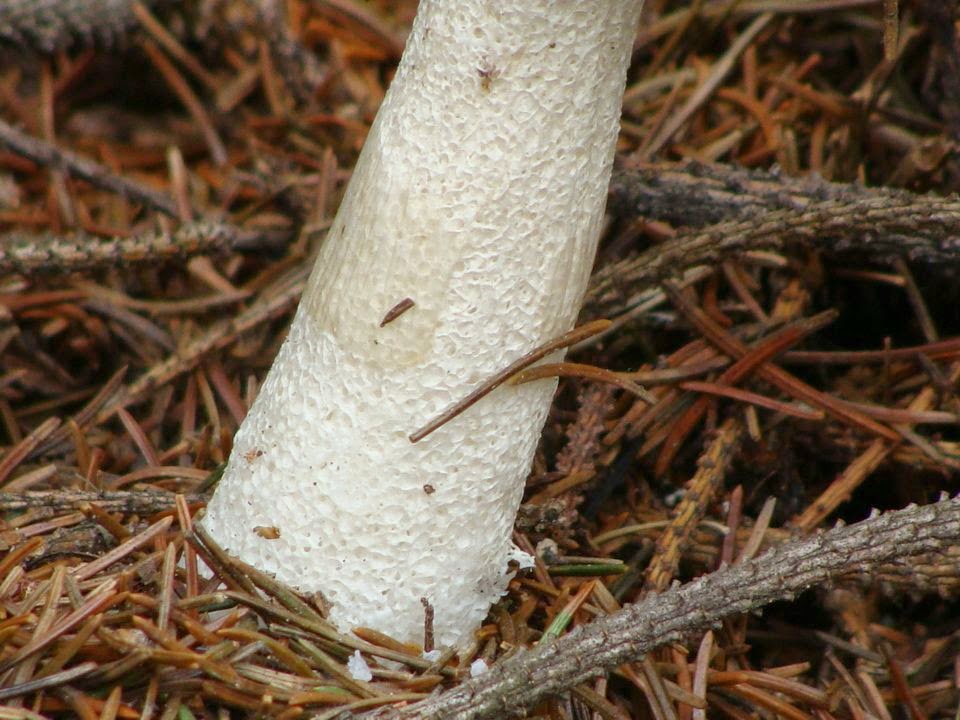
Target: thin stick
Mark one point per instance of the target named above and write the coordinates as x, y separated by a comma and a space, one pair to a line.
283, 293
89, 570
48, 681
924, 319
19, 452
574, 336
752, 398
700, 492
754, 359
720, 71
163, 36
49, 155
943, 350
587, 372
773, 373
891, 29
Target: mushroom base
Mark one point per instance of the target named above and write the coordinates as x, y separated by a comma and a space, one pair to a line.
307, 497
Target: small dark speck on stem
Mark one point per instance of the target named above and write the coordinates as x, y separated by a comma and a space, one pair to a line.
267, 532
397, 310
487, 73
427, 625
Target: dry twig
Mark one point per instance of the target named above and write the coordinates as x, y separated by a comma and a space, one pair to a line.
48, 155
528, 677
922, 228
50, 25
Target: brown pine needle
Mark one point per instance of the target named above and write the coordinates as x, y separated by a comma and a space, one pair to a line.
566, 340
586, 372
753, 398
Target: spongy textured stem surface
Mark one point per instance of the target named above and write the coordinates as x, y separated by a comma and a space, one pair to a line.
479, 195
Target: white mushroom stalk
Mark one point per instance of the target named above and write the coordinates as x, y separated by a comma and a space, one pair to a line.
465, 240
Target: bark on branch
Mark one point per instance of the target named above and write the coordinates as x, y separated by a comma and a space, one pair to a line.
50, 25
528, 677
694, 194
47, 253
763, 211
125, 501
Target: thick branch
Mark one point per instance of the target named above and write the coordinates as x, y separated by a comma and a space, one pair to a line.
125, 501
833, 218
694, 194
528, 677
50, 25
35, 254
46, 253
